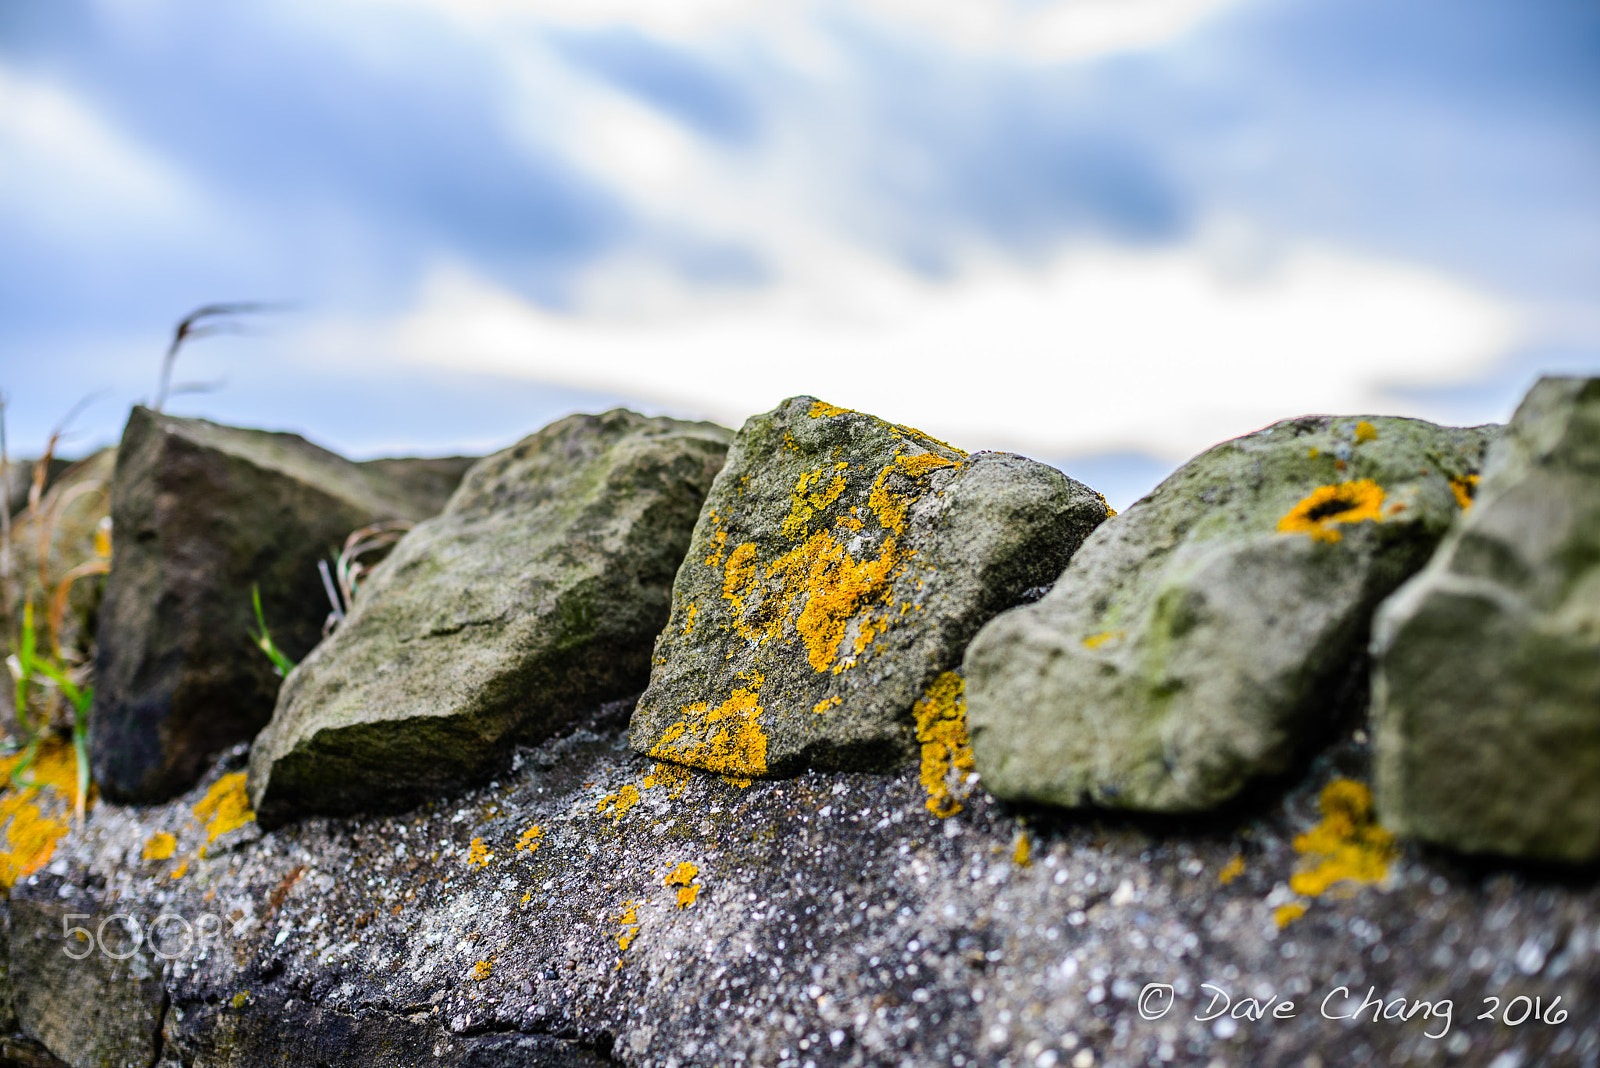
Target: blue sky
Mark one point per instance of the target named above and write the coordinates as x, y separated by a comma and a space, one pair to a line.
1103, 233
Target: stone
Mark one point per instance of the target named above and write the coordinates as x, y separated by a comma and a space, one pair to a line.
18, 482
87, 984
1197, 642
521, 923
536, 594
201, 514
1486, 665
64, 540
838, 570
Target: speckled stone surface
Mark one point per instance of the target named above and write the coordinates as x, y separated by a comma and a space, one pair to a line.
840, 567
834, 921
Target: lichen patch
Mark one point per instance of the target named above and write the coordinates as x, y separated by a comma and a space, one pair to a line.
226, 806
941, 724
1358, 501
727, 739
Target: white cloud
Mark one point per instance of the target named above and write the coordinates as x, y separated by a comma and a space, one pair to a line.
1047, 31
1102, 349
74, 173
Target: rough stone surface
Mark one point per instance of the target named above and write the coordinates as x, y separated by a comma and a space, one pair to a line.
835, 921
537, 593
201, 513
840, 566
1486, 685
1194, 642
74, 995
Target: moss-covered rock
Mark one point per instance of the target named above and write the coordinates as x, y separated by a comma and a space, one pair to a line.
202, 513
1486, 685
535, 594
839, 568
1195, 642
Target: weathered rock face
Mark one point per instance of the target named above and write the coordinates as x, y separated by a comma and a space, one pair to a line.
546, 919
536, 594
1193, 643
1486, 685
202, 512
840, 566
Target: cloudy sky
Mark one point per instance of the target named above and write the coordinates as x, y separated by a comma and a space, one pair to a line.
1107, 233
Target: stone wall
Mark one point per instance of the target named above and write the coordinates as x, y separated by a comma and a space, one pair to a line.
652, 749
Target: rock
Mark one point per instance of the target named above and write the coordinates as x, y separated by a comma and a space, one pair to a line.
94, 998
534, 596
830, 909
66, 536
1486, 684
19, 480
1195, 642
839, 568
202, 512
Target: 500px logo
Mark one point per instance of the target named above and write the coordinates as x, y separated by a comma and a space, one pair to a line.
120, 935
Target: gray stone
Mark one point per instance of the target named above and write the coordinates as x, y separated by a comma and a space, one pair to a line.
202, 512
536, 594
840, 566
87, 985
1195, 641
1486, 685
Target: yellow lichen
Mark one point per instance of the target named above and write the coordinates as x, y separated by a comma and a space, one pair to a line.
51, 784
1095, 641
683, 877
1231, 870
672, 776
182, 869
630, 926
912, 431
620, 802
1022, 852
1365, 432
727, 739
481, 970
1347, 502
529, 842
1348, 845
478, 855
688, 622
226, 806
822, 409
719, 545
241, 999
1286, 914
1110, 511
826, 703
891, 507
1465, 489
835, 585
1313, 452
941, 720
808, 501
839, 587
160, 846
